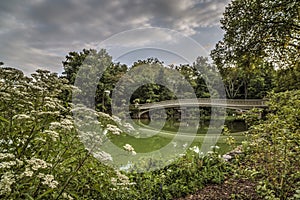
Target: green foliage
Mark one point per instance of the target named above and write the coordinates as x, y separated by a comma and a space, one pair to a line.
184, 176
42, 157
253, 117
288, 79
260, 36
200, 76
274, 148
94, 66
40, 154
254, 29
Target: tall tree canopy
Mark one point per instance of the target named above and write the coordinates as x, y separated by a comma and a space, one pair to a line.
260, 36
269, 29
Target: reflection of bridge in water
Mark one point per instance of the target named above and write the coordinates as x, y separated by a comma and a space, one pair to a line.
236, 104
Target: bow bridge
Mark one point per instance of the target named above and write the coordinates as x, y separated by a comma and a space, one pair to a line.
237, 104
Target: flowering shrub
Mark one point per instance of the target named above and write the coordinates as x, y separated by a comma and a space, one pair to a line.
273, 151
40, 153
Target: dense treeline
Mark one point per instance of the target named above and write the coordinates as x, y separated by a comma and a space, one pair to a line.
252, 83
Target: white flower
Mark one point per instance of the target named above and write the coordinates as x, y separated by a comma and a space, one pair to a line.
21, 116
103, 156
7, 179
49, 180
54, 135
104, 132
215, 147
121, 180
210, 152
27, 172
6, 155
67, 124
195, 149
37, 164
116, 119
41, 175
129, 127
54, 125
113, 129
201, 154
128, 147
104, 115
126, 167
226, 157
7, 165
113, 181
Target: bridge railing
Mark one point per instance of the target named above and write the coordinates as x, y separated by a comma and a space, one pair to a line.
206, 101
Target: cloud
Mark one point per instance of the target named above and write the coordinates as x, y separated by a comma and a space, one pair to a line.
39, 33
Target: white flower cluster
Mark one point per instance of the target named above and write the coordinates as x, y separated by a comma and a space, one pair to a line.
54, 125
48, 180
121, 180
129, 148
116, 119
53, 134
215, 147
53, 113
104, 115
113, 129
36, 164
128, 127
103, 156
51, 103
6, 155
21, 117
195, 149
9, 163
27, 173
67, 123
6, 180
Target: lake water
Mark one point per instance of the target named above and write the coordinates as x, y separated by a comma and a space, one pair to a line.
155, 134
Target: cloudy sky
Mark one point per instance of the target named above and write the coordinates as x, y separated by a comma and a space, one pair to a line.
40, 33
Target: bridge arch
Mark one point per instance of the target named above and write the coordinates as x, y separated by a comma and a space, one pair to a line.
236, 104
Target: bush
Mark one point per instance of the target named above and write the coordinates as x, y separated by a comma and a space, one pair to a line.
274, 147
186, 175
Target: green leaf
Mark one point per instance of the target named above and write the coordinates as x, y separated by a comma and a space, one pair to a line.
45, 193
3, 119
29, 196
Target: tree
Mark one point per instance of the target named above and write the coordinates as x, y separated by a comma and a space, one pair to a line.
73, 62
94, 65
258, 34
287, 79
268, 29
209, 84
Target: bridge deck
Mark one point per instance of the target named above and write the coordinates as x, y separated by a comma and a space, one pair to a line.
235, 103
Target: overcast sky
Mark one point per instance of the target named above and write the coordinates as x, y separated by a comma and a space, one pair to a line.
40, 33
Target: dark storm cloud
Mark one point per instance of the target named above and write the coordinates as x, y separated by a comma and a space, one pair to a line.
39, 33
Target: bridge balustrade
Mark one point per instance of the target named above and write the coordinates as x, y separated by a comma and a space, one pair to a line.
206, 101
